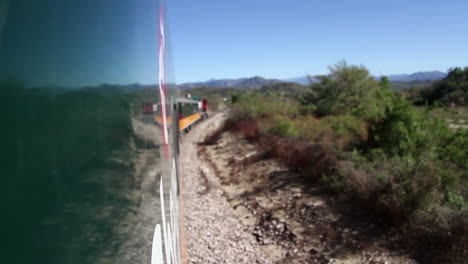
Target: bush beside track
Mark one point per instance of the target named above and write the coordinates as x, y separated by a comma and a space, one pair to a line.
354, 135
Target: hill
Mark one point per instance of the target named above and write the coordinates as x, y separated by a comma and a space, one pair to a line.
413, 77
285, 88
418, 76
253, 82
281, 87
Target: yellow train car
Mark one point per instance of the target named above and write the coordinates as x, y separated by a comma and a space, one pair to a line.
189, 113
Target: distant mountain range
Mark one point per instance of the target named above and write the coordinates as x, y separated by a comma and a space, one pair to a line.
413, 77
254, 82
418, 76
258, 82
398, 82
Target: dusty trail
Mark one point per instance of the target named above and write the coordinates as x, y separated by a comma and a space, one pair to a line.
213, 232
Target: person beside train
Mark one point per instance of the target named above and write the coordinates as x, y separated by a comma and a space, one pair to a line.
204, 108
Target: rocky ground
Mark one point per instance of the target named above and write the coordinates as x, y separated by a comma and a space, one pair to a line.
243, 208
214, 234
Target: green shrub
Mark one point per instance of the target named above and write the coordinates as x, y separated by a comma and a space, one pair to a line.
452, 90
256, 105
455, 200
454, 148
283, 127
338, 131
405, 131
349, 89
413, 142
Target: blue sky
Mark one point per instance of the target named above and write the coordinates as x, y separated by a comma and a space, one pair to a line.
88, 42
281, 39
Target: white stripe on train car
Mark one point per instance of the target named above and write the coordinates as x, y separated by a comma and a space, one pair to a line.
170, 230
163, 215
173, 237
157, 250
175, 211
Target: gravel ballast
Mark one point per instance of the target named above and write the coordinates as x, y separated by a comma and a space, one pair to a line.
213, 232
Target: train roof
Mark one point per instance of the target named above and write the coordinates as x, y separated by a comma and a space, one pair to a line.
186, 100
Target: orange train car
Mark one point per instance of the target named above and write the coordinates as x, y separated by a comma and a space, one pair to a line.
189, 113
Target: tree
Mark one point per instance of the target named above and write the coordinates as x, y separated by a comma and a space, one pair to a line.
385, 83
453, 89
349, 89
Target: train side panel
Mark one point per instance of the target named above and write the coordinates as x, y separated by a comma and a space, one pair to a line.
189, 120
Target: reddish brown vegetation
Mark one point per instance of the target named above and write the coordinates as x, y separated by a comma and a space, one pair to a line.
442, 241
314, 160
247, 128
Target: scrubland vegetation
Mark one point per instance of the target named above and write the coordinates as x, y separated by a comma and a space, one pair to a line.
399, 162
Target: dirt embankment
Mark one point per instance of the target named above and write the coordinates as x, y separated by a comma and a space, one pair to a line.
290, 221
213, 232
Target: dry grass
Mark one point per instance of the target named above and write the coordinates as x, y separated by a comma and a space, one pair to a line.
439, 237
247, 128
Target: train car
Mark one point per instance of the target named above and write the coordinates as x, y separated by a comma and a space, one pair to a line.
189, 112
147, 108
147, 111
